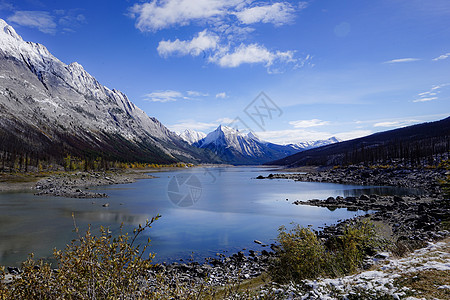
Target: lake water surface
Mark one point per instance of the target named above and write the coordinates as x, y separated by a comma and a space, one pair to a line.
204, 211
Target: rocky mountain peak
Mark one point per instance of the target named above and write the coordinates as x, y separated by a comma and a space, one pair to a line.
9, 31
70, 107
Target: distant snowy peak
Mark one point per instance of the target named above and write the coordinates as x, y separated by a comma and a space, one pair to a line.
191, 136
226, 136
236, 147
315, 144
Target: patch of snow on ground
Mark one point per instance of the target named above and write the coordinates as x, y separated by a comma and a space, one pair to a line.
380, 281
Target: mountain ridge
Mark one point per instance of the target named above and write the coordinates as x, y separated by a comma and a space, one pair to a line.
50, 109
191, 136
424, 143
235, 147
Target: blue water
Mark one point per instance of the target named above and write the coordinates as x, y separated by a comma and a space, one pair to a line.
204, 211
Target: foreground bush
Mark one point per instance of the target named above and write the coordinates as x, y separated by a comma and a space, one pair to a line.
91, 267
303, 255
107, 267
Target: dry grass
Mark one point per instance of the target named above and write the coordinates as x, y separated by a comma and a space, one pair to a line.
426, 283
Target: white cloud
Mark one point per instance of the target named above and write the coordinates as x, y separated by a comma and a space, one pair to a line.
278, 13
193, 125
401, 123
302, 5
48, 22
250, 54
157, 15
401, 60
425, 99
354, 134
208, 43
439, 86
292, 136
431, 94
41, 20
201, 126
225, 121
222, 95
226, 26
308, 123
203, 41
386, 124
197, 94
441, 57
171, 96
427, 93
164, 96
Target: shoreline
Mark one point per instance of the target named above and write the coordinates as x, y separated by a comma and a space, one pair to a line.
401, 213
411, 219
419, 178
414, 220
74, 184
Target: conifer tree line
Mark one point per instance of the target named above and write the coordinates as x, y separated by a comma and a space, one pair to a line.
25, 150
417, 145
430, 151
416, 153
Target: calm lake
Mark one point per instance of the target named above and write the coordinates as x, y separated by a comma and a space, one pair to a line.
204, 211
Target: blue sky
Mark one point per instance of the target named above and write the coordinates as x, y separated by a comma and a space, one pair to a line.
344, 68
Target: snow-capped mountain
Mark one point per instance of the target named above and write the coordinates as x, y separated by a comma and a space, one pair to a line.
232, 146
315, 144
191, 136
235, 147
51, 108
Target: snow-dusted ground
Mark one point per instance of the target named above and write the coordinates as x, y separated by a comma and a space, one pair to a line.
378, 281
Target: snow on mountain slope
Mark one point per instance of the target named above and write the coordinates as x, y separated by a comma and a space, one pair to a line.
315, 144
191, 136
235, 147
39, 93
228, 137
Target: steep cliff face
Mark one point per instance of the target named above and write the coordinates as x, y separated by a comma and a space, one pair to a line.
51, 108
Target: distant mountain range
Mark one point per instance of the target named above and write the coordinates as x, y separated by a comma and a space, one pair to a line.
426, 143
234, 147
49, 109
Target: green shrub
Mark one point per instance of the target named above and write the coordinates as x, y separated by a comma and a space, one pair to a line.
303, 255
353, 246
91, 267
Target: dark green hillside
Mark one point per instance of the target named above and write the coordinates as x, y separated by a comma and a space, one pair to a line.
422, 143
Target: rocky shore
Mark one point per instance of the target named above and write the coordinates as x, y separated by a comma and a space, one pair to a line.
218, 271
407, 217
414, 220
76, 185
420, 178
